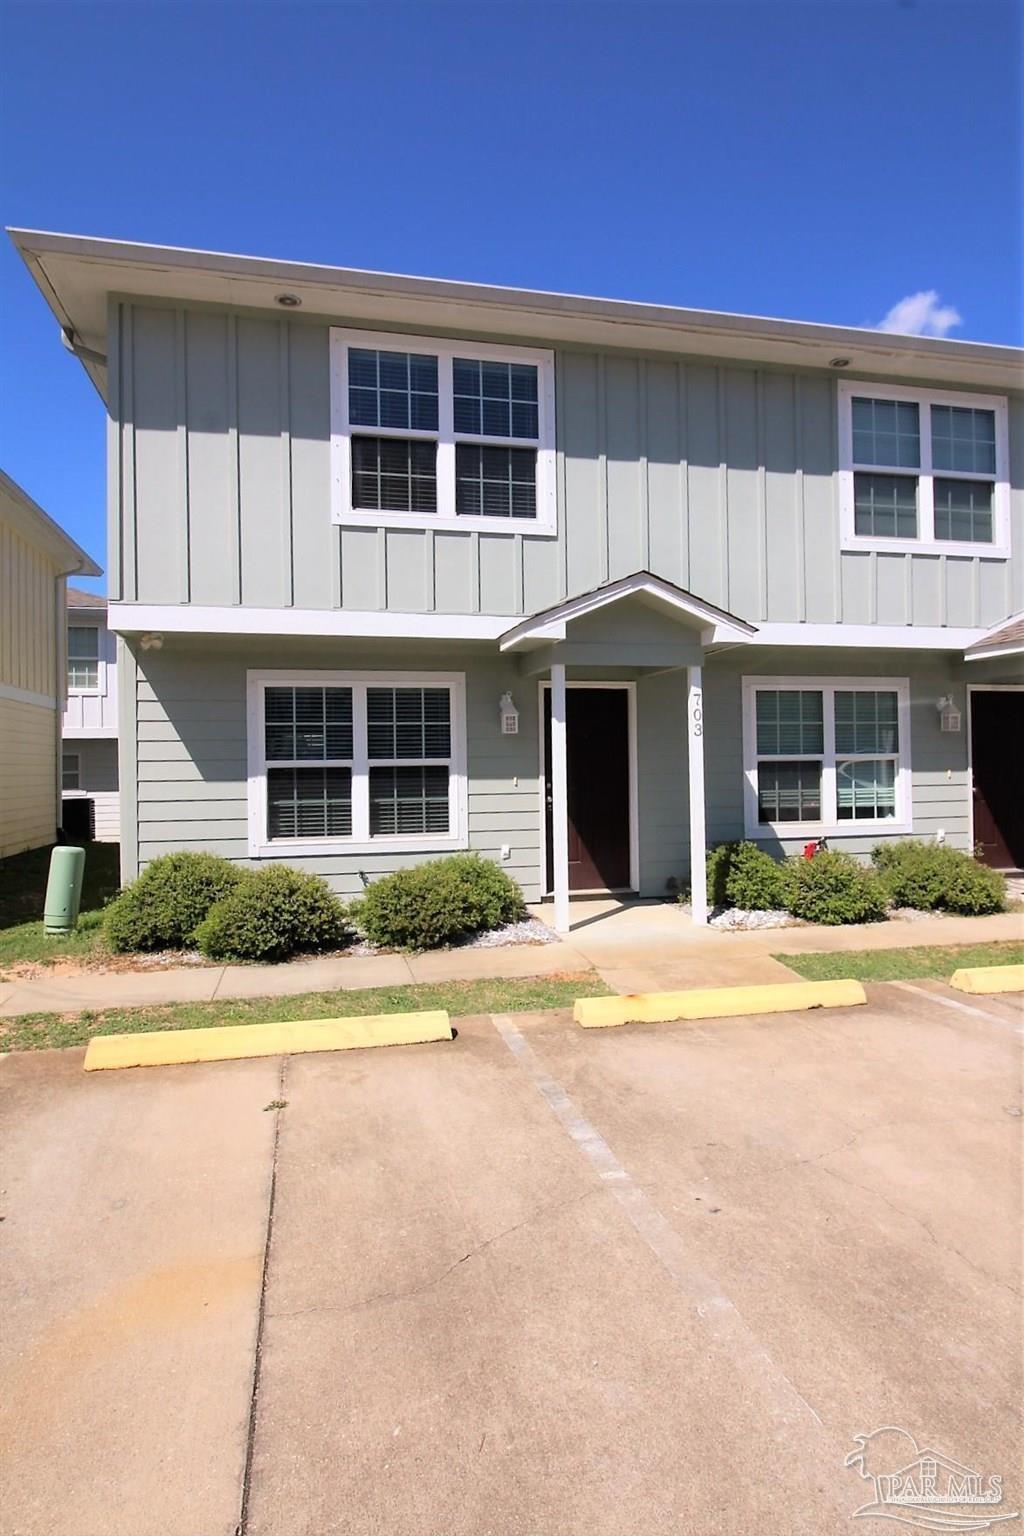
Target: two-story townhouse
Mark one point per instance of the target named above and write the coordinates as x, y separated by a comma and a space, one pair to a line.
36, 558
400, 566
89, 757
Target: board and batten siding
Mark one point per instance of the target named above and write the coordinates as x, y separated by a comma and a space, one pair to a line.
722, 479
28, 609
29, 594
28, 790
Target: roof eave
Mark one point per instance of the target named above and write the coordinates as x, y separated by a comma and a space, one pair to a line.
335, 291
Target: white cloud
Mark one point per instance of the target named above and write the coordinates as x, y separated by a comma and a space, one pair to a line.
921, 314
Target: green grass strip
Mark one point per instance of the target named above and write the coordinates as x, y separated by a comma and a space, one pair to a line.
914, 964
44, 1031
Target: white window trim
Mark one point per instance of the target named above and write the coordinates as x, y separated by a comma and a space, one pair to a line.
262, 847
71, 789
101, 666
829, 825
444, 519
926, 543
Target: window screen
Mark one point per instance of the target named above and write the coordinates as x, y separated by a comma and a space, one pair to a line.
963, 510
495, 482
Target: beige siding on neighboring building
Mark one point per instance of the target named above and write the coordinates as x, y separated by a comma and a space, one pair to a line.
28, 627
28, 799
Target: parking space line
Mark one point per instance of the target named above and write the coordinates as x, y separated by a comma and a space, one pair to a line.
701, 1290
954, 1002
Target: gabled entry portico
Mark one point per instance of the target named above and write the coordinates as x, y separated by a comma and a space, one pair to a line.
639, 626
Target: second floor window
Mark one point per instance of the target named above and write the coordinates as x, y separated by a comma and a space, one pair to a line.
923, 470
83, 658
438, 434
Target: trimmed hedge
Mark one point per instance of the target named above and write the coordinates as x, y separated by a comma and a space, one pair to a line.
757, 882
438, 903
273, 913
932, 877
833, 888
163, 908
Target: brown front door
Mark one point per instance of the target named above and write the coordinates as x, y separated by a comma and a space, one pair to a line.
997, 758
597, 748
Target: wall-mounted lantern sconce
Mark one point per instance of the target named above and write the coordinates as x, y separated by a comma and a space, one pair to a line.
949, 715
509, 715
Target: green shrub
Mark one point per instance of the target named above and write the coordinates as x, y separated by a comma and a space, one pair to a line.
717, 865
932, 877
273, 913
436, 903
163, 908
756, 882
833, 888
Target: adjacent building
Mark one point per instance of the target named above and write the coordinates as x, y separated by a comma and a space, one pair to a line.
36, 557
89, 759
400, 566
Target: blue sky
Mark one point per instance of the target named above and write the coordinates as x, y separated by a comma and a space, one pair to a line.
825, 160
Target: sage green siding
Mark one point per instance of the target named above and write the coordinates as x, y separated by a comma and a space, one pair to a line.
184, 768
720, 478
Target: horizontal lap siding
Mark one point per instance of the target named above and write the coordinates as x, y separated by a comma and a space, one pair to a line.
721, 478
190, 789
939, 783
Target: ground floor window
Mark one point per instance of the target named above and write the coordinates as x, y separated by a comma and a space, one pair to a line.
359, 760
826, 754
71, 771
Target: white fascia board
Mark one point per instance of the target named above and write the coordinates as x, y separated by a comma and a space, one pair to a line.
900, 637
997, 652
551, 622
334, 623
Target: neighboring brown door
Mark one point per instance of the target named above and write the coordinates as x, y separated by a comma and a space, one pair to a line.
597, 747
997, 758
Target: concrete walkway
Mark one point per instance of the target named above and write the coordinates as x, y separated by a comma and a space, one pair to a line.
636, 947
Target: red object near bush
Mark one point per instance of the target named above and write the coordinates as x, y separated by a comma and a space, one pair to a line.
810, 849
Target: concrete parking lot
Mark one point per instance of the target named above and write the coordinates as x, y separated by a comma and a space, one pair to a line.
537, 1281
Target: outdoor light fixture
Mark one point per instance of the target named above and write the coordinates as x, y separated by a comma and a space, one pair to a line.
949, 715
509, 715
152, 642
288, 300
839, 362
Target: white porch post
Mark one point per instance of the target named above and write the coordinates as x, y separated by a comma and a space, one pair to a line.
695, 758
559, 799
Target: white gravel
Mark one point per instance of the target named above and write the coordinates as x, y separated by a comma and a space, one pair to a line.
529, 931
732, 919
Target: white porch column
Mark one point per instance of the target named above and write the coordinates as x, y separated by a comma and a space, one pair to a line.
695, 758
559, 799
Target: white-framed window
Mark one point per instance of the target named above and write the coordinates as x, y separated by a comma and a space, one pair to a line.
83, 658
71, 770
826, 755
356, 761
428, 433
923, 471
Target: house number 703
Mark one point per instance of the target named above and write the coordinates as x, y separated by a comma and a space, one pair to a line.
697, 711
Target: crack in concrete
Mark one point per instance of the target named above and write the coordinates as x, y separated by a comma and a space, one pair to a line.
261, 1317
900, 1210
385, 1297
